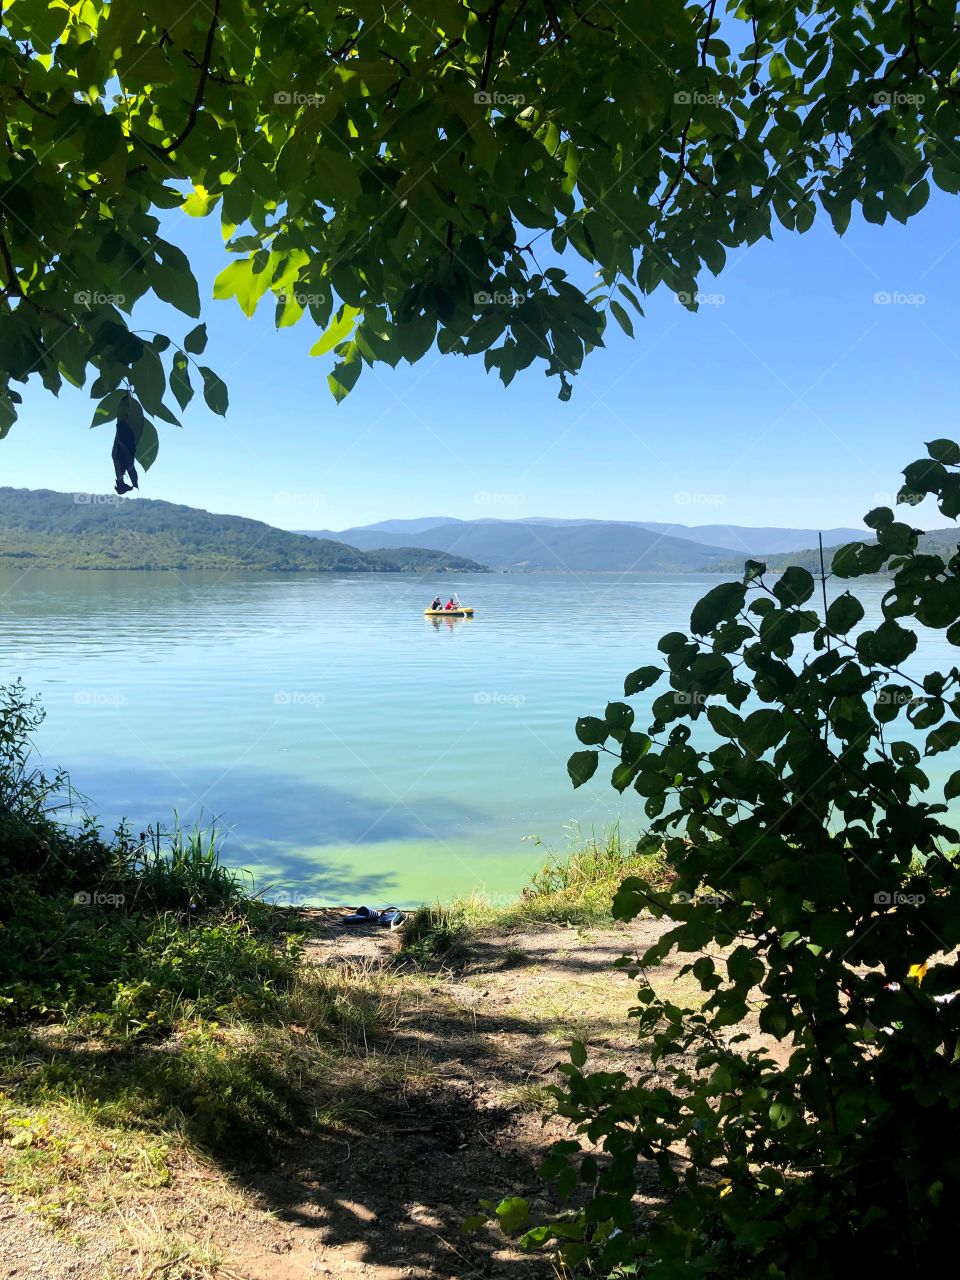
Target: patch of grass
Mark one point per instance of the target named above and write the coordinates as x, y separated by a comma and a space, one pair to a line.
88, 1120
572, 888
174, 1253
578, 887
531, 1096
438, 933
579, 1008
181, 870
59, 1155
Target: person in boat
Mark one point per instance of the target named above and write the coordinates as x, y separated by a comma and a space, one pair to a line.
450, 605
437, 603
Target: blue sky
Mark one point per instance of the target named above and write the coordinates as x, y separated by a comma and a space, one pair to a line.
793, 398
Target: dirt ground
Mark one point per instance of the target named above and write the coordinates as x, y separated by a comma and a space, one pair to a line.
456, 1115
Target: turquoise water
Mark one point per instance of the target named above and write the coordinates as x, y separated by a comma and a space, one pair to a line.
353, 750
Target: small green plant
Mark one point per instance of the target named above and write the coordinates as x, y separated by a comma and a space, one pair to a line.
182, 870
437, 932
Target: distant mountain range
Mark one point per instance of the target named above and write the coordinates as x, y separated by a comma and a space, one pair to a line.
43, 529
588, 545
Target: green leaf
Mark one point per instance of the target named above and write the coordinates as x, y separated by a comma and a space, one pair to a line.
108, 408
943, 738
176, 286
945, 451
618, 716
719, 605
288, 310
149, 380
336, 331
578, 1054
214, 391
891, 699
104, 138
642, 678
623, 775
200, 202
724, 721
336, 175
196, 340
581, 766
293, 162
514, 1213
345, 374
878, 517
242, 281
763, 729
781, 1113
592, 731
844, 613
165, 415
624, 321
890, 644
779, 68
148, 444
180, 380
794, 586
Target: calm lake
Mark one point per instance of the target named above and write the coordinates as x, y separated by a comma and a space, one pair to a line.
352, 750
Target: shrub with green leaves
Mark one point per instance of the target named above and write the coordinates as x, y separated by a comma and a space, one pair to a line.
32, 842
782, 774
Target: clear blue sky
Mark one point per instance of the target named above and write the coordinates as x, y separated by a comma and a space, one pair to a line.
795, 401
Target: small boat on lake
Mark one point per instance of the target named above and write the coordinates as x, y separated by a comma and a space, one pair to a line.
452, 609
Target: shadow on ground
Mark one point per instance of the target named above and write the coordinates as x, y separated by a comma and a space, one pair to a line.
426, 1124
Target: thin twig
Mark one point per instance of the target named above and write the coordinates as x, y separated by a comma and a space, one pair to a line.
201, 84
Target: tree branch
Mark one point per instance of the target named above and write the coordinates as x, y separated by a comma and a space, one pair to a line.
682, 159
594, 26
553, 22
13, 287
491, 38
201, 84
513, 22
34, 106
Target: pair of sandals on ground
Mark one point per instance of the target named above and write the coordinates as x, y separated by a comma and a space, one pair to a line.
391, 916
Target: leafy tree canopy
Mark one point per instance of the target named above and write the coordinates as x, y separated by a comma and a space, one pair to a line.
401, 172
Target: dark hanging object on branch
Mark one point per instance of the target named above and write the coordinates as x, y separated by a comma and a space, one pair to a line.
125, 445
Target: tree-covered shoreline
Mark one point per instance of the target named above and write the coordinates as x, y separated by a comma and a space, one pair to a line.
40, 528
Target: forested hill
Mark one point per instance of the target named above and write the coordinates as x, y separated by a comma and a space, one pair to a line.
49, 530
942, 542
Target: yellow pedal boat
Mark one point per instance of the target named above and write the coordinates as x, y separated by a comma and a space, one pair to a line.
463, 612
